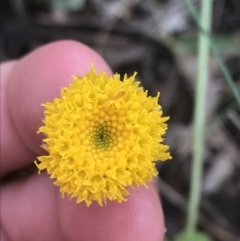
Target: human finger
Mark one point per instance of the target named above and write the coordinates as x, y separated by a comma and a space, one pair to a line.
33, 80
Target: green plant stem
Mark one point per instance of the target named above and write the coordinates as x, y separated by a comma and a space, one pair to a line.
215, 52
199, 119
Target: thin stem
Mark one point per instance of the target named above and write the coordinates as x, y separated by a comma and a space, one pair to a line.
199, 119
215, 53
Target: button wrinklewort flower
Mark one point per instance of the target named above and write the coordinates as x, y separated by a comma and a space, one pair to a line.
103, 135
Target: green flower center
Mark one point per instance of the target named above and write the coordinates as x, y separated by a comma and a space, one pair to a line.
102, 136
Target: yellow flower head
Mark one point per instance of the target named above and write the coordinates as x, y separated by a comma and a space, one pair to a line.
103, 135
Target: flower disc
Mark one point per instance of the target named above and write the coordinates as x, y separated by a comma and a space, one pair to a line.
103, 135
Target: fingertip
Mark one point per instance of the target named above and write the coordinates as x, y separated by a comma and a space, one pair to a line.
38, 78
34, 208
140, 218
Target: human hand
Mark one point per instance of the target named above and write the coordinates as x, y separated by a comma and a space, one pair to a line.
33, 209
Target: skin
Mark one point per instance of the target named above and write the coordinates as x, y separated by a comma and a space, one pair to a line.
33, 209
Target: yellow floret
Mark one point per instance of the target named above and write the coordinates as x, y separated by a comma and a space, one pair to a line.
103, 135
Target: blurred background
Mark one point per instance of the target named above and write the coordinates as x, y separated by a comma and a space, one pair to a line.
158, 39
